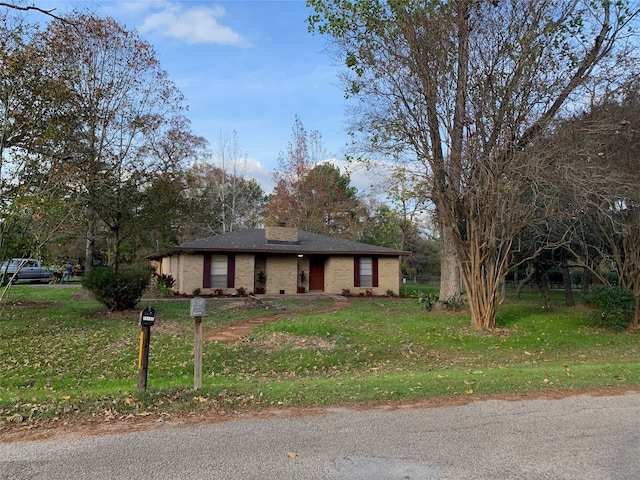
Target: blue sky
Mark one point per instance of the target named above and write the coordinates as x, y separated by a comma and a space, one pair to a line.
244, 66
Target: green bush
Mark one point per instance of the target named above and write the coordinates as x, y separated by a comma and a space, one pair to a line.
117, 291
426, 300
163, 284
614, 305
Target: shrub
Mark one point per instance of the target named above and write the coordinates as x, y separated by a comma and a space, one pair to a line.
163, 284
614, 305
454, 302
167, 280
426, 300
117, 291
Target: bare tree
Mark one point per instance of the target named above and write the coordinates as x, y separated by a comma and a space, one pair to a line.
467, 87
205, 212
229, 157
601, 146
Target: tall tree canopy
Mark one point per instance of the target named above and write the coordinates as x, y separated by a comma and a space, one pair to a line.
311, 195
35, 127
120, 97
467, 87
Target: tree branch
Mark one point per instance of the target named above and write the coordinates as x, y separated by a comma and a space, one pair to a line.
31, 7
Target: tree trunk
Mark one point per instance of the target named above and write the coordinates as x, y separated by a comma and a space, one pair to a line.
91, 235
483, 302
568, 291
586, 281
530, 272
449, 272
635, 321
543, 286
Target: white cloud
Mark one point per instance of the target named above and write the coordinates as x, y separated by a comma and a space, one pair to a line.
369, 179
192, 25
261, 174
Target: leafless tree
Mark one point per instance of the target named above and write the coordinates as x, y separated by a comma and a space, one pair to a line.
601, 168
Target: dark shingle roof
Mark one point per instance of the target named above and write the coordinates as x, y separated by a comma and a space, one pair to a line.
254, 241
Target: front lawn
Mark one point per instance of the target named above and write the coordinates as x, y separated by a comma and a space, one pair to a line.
63, 357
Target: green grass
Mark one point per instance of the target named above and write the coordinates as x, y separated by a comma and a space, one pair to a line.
62, 358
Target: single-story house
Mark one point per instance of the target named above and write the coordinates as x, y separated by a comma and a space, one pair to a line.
280, 260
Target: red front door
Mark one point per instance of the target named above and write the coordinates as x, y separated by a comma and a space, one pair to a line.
316, 274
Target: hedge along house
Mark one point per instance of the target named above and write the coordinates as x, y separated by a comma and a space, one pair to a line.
280, 260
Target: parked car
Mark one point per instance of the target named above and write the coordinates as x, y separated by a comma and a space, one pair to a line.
28, 269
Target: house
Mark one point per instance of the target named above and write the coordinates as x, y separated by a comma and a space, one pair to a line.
280, 260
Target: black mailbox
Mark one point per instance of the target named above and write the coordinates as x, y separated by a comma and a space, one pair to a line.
148, 317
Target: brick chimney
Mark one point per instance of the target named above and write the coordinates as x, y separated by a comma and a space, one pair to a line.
281, 235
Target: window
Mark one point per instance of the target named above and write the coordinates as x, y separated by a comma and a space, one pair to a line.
366, 272
219, 271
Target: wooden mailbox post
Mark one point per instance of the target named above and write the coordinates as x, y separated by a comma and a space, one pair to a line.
147, 319
198, 309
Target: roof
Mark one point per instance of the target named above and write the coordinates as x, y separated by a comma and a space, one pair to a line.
254, 241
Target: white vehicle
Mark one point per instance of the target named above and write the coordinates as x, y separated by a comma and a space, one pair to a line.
27, 269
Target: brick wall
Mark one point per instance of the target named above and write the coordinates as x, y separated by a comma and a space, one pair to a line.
388, 275
281, 234
282, 274
189, 271
245, 272
338, 275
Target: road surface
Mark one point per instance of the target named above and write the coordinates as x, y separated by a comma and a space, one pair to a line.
581, 437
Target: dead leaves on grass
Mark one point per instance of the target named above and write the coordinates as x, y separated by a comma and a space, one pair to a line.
277, 341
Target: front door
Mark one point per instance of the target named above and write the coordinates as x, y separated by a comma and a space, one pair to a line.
316, 274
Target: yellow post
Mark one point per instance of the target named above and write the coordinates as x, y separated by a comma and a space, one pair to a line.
141, 348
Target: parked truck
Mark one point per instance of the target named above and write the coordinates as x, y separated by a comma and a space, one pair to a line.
26, 269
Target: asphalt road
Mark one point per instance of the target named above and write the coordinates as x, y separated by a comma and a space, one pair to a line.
574, 438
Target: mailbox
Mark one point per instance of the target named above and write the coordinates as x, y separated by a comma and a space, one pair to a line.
198, 307
148, 317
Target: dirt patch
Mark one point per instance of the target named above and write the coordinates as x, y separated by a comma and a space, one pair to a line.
233, 332
21, 305
108, 314
83, 295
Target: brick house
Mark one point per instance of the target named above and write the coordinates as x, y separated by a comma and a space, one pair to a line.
280, 260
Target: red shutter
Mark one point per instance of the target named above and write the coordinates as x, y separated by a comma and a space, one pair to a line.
231, 271
206, 274
356, 271
374, 272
